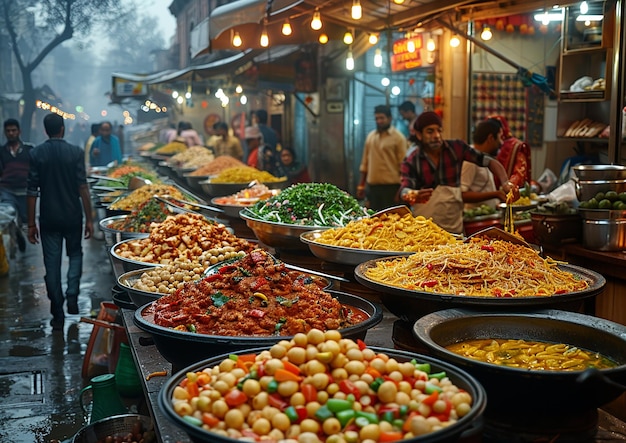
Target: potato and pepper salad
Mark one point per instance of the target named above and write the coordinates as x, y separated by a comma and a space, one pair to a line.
319, 387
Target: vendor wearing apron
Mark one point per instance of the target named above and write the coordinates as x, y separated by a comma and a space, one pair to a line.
431, 174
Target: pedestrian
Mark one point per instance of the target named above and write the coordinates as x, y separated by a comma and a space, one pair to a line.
261, 156
106, 148
477, 184
14, 165
407, 111
431, 174
187, 134
270, 136
384, 149
291, 168
226, 144
514, 154
95, 132
57, 177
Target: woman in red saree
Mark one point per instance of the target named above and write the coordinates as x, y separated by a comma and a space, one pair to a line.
514, 155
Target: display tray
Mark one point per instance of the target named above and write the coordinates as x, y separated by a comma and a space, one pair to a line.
410, 304
341, 254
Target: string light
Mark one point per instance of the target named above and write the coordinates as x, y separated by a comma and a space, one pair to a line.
486, 34
237, 42
430, 45
238, 89
357, 11
350, 61
348, 38
373, 38
455, 41
265, 39
378, 58
410, 46
286, 30
323, 39
316, 22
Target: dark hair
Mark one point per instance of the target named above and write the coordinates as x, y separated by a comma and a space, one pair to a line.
484, 128
182, 125
383, 109
261, 116
220, 125
11, 122
406, 106
95, 129
290, 150
53, 123
105, 122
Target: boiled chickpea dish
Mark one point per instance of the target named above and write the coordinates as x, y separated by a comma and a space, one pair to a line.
319, 387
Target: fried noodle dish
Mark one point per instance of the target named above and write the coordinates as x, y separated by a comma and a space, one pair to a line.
482, 267
253, 296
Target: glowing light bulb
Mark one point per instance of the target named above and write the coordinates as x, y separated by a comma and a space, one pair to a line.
323, 39
316, 22
373, 39
385, 81
286, 30
398, 2
356, 11
455, 41
378, 58
350, 61
265, 39
348, 38
584, 8
410, 46
430, 45
237, 42
174, 94
486, 34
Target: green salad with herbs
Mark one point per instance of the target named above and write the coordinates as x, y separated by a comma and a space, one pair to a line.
310, 204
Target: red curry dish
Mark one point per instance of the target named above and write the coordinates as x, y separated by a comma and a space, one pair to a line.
254, 296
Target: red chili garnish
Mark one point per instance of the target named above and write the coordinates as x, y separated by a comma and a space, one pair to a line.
256, 313
428, 283
487, 248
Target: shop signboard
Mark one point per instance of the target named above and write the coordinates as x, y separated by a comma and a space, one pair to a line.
128, 88
409, 53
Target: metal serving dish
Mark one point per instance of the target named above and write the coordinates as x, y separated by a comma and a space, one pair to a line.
466, 427
534, 398
222, 189
112, 236
193, 181
600, 172
117, 426
410, 305
232, 210
341, 254
182, 348
278, 235
587, 189
122, 265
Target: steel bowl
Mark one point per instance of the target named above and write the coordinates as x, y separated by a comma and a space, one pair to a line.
222, 189
112, 236
604, 235
278, 235
600, 172
137, 296
115, 426
193, 181
231, 210
122, 265
341, 254
466, 427
587, 189
410, 305
183, 348
537, 397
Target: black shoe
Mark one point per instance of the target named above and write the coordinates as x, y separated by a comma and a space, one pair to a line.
72, 307
21, 240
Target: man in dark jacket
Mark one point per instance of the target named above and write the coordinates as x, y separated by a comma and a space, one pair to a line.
14, 165
57, 176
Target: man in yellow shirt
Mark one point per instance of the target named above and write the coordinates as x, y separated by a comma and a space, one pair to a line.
226, 144
384, 150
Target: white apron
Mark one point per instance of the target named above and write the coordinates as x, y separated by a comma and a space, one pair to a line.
445, 207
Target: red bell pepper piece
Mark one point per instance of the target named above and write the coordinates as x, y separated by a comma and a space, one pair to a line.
347, 387
389, 436
309, 392
361, 344
277, 401
235, 397
256, 313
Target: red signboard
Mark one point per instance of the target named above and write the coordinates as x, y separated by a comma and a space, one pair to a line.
408, 53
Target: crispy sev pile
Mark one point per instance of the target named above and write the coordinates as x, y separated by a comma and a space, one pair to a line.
481, 267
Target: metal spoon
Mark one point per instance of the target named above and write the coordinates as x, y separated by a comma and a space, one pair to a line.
185, 202
401, 210
310, 271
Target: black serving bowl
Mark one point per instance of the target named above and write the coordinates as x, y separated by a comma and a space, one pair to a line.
536, 396
410, 305
183, 348
469, 425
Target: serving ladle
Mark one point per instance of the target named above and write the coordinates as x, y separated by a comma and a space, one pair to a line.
169, 199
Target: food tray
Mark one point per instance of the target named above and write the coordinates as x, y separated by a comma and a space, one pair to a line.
137, 296
341, 254
231, 210
410, 305
223, 189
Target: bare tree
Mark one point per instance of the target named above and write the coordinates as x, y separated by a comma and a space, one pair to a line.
36, 27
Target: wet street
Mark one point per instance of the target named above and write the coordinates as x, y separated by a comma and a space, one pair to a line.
40, 375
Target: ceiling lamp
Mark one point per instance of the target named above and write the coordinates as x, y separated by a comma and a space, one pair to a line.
398, 2
265, 39
348, 38
323, 39
410, 46
378, 58
237, 42
373, 38
430, 45
350, 61
316, 21
486, 34
356, 11
455, 41
584, 8
286, 30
